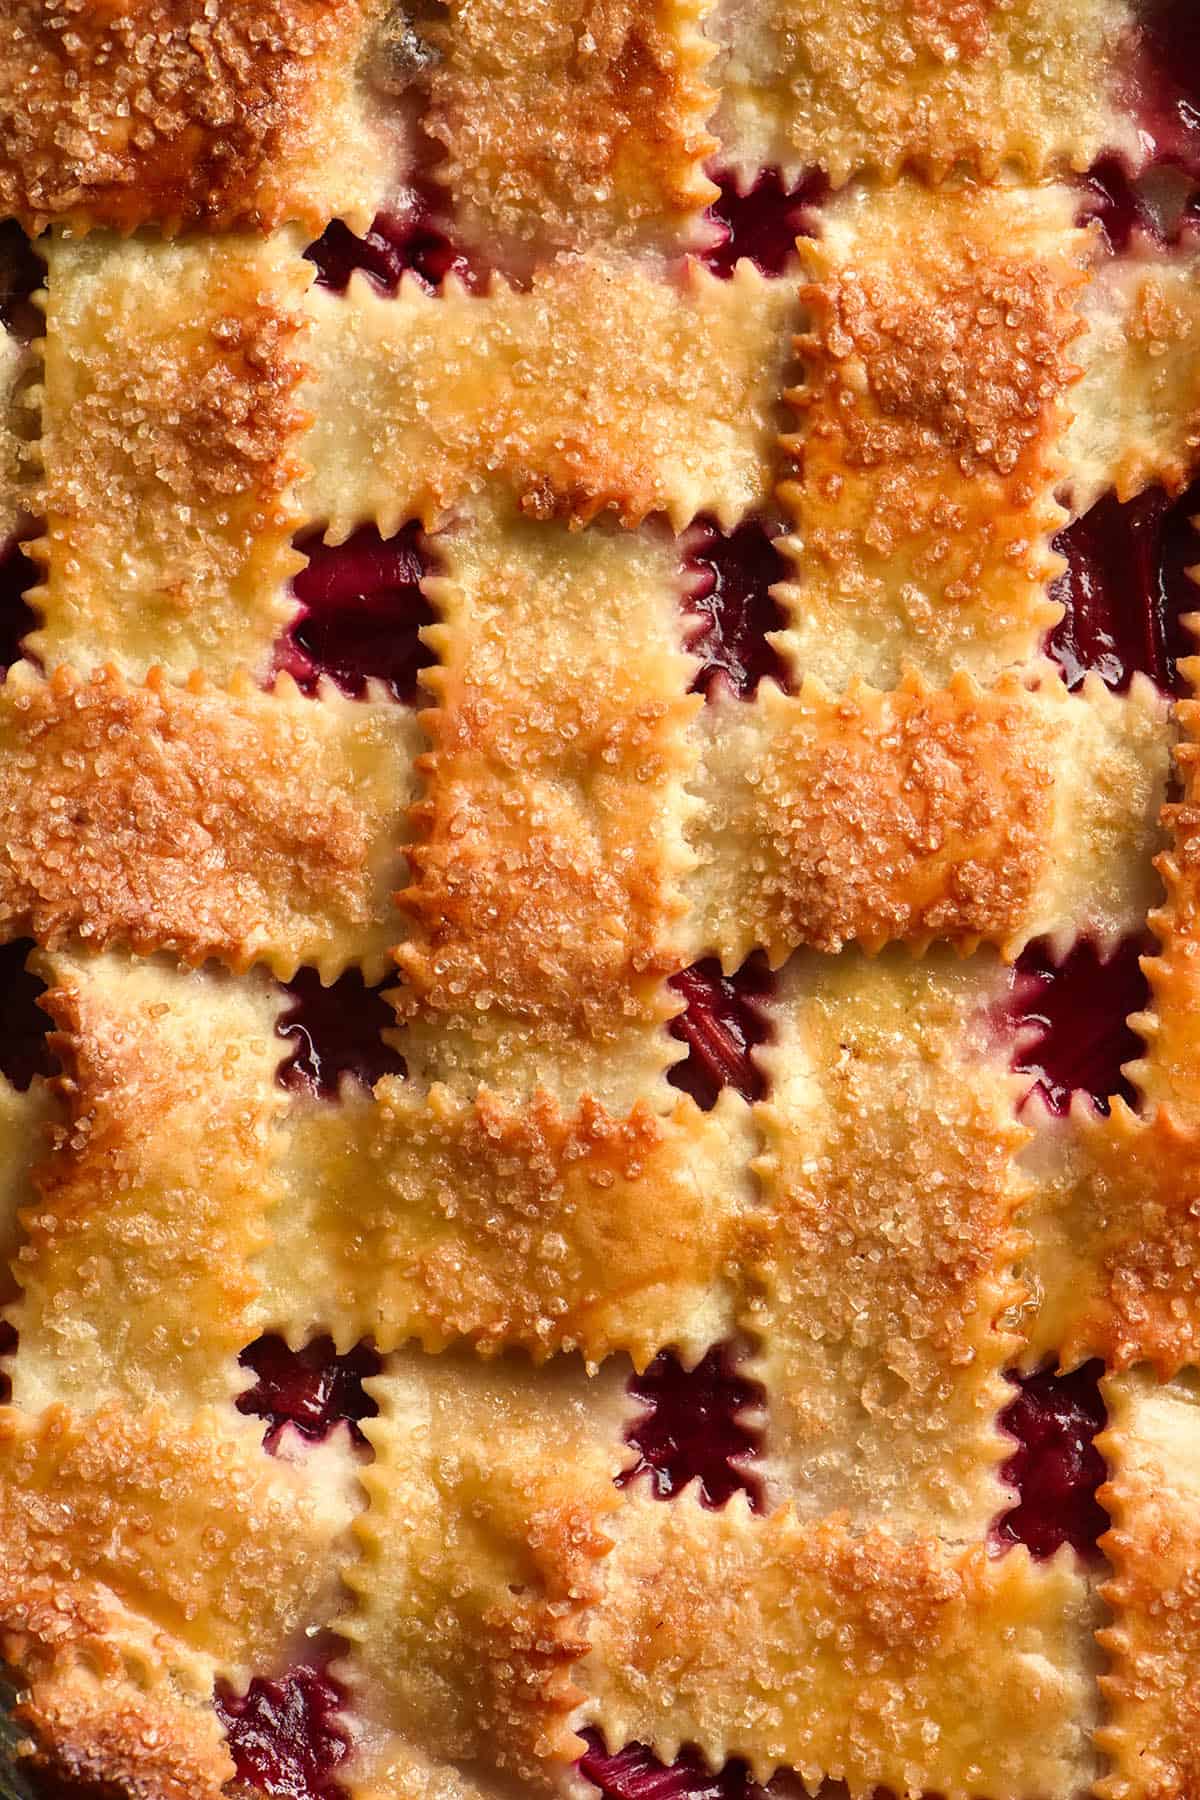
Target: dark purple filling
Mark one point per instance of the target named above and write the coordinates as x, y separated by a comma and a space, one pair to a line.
735, 610
364, 610
721, 1026
764, 222
692, 1427
24, 1051
8, 1343
22, 272
1161, 79
313, 1389
635, 1773
284, 1736
338, 1030
17, 576
1113, 197
417, 238
1125, 589
1056, 1467
1078, 1010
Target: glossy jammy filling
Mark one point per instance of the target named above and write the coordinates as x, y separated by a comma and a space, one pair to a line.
721, 1025
693, 1429
635, 1773
24, 1051
761, 221
17, 618
285, 1734
312, 1390
337, 1031
1162, 80
363, 611
415, 237
1055, 1467
731, 609
1069, 1020
1126, 589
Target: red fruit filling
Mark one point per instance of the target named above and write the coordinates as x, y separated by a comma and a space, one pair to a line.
415, 237
338, 1030
1111, 196
363, 613
284, 1735
1162, 80
1072, 1019
1056, 1467
692, 1428
22, 271
24, 1051
722, 1024
17, 576
8, 1343
763, 222
1126, 588
635, 1773
313, 1388
729, 591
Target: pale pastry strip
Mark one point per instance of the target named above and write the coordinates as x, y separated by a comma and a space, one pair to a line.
168, 1552
489, 1500
1114, 1261
239, 824
16, 421
25, 1121
547, 847
909, 1666
918, 814
938, 366
435, 1218
249, 114
1137, 409
604, 386
171, 440
571, 125
1151, 1732
813, 83
880, 1258
153, 1194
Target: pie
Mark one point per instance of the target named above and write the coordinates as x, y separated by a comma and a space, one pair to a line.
600, 899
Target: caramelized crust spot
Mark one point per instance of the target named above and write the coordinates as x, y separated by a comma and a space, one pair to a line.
568, 122
167, 819
184, 115
509, 1225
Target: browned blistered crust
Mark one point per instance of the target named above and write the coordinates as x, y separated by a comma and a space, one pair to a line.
882, 1661
571, 121
936, 365
508, 1226
231, 824
170, 442
915, 814
1151, 1732
135, 1264
175, 112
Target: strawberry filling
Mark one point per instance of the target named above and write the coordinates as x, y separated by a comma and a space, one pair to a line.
635, 1773
730, 599
1071, 1016
363, 614
692, 1429
721, 1025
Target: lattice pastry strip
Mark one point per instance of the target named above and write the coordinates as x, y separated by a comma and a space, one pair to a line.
525, 1226
17, 423
24, 1122
547, 847
937, 371
154, 1192
171, 446
958, 813
239, 824
881, 1256
490, 1498
185, 115
1152, 1728
906, 1665
873, 86
604, 386
571, 125
151, 1556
